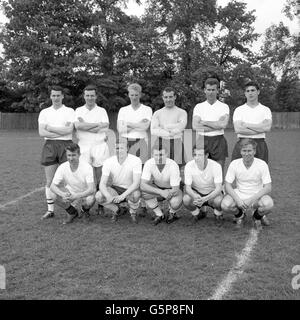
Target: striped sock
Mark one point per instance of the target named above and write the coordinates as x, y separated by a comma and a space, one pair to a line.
50, 202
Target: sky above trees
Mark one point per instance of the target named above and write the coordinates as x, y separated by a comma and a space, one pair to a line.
267, 12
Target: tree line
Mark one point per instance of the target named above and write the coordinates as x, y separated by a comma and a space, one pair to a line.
175, 43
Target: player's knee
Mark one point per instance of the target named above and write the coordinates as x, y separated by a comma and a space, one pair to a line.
99, 197
266, 203
226, 204
135, 196
187, 200
176, 202
151, 203
217, 202
90, 200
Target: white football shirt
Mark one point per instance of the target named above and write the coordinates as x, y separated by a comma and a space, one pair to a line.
205, 180
211, 112
248, 181
253, 115
167, 178
95, 115
57, 118
122, 174
76, 181
129, 114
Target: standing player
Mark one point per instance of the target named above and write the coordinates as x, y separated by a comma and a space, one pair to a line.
56, 126
133, 123
91, 123
252, 120
253, 185
161, 180
210, 118
203, 182
73, 184
168, 124
120, 181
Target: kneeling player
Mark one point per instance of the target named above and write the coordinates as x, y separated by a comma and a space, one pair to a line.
161, 180
125, 172
253, 185
203, 184
73, 184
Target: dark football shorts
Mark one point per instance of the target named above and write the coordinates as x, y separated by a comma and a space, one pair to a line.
175, 150
119, 190
139, 148
262, 151
217, 146
54, 152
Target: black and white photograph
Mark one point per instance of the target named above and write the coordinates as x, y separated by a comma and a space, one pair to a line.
149, 153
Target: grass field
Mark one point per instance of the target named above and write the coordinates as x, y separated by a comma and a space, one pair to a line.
99, 260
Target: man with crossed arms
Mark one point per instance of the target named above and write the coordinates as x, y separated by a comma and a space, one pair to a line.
56, 126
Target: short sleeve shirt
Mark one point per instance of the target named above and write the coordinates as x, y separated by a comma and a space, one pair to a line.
248, 181
95, 115
252, 115
208, 112
122, 174
204, 181
167, 178
57, 118
76, 181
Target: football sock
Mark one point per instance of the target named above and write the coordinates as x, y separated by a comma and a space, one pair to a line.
85, 209
71, 210
195, 212
239, 214
50, 202
256, 215
158, 211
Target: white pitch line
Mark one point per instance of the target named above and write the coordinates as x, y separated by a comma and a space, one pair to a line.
237, 270
2, 206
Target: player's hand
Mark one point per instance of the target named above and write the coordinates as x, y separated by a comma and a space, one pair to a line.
248, 203
199, 202
242, 205
73, 197
80, 119
165, 194
118, 199
174, 193
108, 200
66, 196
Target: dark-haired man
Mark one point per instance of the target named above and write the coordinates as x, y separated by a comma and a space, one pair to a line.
253, 186
168, 124
56, 127
252, 120
161, 180
210, 118
73, 184
203, 185
91, 124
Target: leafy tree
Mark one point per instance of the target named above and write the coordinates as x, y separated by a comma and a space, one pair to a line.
68, 42
182, 22
234, 33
